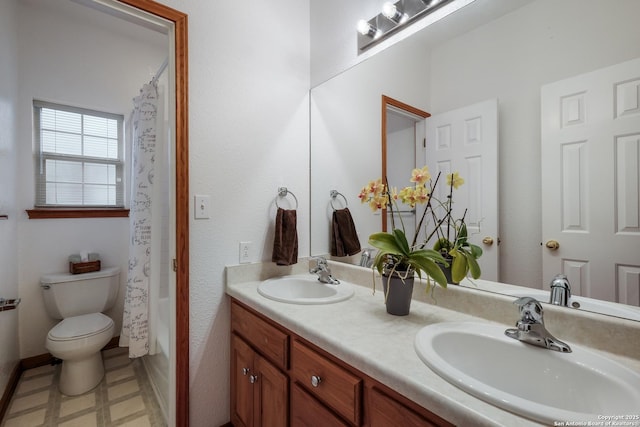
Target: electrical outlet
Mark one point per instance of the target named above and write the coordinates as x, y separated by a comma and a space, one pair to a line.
245, 252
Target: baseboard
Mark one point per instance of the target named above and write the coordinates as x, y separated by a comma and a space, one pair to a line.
10, 389
37, 361
48, 359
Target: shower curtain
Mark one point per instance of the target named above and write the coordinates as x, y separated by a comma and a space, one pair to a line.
136, 328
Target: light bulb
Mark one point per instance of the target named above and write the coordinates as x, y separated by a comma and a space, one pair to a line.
392, 12
366, 29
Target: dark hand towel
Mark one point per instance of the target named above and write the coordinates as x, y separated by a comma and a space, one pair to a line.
285, 243
344, 238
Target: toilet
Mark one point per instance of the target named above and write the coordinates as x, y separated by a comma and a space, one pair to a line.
79, 300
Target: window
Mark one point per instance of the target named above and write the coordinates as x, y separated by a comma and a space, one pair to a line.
79, 157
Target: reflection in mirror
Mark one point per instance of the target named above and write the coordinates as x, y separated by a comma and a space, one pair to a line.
402, 135
510, 58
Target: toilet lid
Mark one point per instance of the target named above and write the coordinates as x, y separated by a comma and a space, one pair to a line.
82, 326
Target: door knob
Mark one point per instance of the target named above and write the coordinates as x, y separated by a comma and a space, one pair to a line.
552, 245
488, 241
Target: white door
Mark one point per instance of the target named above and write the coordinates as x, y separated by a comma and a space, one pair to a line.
465, 140
590, 178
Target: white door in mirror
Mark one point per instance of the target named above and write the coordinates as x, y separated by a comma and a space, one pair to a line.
591, 123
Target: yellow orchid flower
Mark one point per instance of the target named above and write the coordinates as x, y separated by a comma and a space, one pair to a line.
420, 176
455, 180
376, 187
421, 195
364, 195
408, 196
378, 202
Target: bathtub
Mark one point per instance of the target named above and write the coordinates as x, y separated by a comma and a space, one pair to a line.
157, 364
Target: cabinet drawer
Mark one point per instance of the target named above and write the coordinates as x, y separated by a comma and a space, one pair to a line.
306, 411
385, 411
272, 342
335, 386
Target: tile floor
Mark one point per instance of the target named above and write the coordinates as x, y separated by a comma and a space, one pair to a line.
123, 398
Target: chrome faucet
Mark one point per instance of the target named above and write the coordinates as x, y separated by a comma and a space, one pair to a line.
366, 258
530, 328
323, 271
560, 291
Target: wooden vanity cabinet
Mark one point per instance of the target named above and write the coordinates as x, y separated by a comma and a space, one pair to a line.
280, 379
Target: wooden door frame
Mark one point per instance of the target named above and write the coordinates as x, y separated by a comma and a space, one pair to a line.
179, 21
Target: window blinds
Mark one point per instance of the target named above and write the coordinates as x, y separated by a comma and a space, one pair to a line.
79, 157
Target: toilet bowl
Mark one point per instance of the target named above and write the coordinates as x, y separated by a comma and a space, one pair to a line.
77, 341
79, 300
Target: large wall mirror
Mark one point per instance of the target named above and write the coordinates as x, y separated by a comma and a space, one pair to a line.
478, 53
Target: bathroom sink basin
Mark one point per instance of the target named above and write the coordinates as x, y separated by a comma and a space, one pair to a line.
304, 289
584, 303
530, 381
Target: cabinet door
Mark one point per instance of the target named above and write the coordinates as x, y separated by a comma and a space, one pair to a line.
241, 388
271, 395
306, 411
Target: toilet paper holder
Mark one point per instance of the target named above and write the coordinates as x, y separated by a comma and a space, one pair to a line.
8, 304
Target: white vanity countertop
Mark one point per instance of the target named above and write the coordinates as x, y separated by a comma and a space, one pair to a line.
361, 332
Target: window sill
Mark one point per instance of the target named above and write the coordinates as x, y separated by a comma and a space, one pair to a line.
54, 213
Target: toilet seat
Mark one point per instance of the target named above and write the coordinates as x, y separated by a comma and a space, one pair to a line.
79, 327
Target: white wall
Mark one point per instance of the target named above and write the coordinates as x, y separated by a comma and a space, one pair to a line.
248, 135
8, 228
66, 55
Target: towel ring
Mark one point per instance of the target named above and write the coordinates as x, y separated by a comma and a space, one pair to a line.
282, 192
334, 194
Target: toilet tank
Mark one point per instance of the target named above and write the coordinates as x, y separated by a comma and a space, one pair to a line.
67, 295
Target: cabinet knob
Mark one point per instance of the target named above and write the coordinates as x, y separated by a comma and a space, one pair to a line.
315, 380
245, 371
253, 379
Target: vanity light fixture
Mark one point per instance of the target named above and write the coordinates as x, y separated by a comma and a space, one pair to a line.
394, 16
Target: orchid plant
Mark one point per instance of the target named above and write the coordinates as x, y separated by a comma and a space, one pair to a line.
451, 247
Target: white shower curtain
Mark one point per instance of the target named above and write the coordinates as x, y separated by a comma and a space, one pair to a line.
136, 318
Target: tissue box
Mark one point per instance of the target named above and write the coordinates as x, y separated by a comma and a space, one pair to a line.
84, 267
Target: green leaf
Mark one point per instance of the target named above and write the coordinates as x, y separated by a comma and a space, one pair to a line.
476, 251
459, 267
474, 267
431, 268
384, 242
401, 240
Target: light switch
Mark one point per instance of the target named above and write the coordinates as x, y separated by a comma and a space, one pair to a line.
201, 207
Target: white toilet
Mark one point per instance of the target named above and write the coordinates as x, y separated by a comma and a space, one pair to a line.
80, 299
